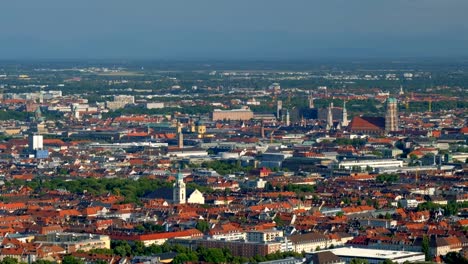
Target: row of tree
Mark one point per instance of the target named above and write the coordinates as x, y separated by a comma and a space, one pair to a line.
130, 189
184, 254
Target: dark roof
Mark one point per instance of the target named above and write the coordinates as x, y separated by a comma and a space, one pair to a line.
161, 193
301, 238
325, 257
165, 193
166, 256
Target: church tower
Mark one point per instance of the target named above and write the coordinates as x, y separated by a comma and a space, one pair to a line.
391, 117
311, 102
279, 107
345, 121
180, 140
179, 190
401, 93
330, 117
180, 136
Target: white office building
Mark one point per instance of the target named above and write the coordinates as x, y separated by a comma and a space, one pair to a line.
376, 256
374, 164
36, 142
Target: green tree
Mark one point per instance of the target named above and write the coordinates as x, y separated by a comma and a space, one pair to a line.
122, 248
388, 216
9, 260
212, 255
181, 258
269, 187
203, 226
279, 222
358, 261
455, 258
451, 208
43, 261
71, 260
138, 248
425, 248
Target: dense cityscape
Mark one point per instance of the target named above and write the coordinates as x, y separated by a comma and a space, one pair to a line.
255, 162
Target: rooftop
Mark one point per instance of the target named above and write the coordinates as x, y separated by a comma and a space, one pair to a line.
373, 253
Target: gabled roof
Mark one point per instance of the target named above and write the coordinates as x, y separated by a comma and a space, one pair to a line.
325, 257
308, 237
367, 123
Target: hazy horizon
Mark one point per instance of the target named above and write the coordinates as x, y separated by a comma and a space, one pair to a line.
235, 30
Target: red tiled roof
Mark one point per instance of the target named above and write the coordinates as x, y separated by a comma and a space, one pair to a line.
367, 123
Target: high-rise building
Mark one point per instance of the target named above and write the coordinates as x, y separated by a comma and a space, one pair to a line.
179, 190
36, 142
391, 117
36, 147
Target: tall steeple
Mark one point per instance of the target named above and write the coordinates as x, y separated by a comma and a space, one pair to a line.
345, 121
179, 190
41, 97
311, 102
330, 117
180, 136
180, 140
401, 90
279, 106
391, 117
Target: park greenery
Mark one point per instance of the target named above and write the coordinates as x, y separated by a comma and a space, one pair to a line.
130, 189
451, 208
387, 178
66, 260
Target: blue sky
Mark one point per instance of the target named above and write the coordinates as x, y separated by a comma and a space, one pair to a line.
240, 29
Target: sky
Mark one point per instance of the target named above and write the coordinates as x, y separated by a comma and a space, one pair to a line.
236, 29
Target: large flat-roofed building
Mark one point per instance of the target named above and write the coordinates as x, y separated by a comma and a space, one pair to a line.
373, 256
374, 164
120, 101
235, 114
73, 242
